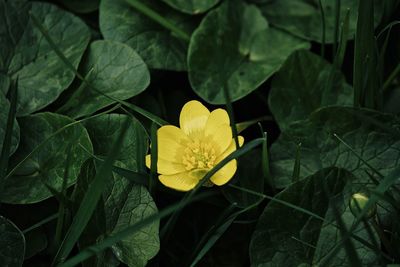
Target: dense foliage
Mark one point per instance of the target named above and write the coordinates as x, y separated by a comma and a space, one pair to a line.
313, 86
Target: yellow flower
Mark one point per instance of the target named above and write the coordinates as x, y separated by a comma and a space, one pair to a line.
187, 153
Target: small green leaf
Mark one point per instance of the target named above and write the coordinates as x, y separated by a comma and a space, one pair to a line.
235, 46
304, 239
158, 47
42, 76
320, 149
12, 244
192, 6
300, 87
47, 163
112, 68
303, 18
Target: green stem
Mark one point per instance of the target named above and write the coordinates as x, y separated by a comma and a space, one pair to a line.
159, 19
42, 222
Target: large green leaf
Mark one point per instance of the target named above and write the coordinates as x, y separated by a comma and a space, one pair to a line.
112, 68
158, 47
303, 17
47, 164
235, 46
368, 132
192, 6
12, 244
285, 236
4, 110
103, 130
305, 83
25, 54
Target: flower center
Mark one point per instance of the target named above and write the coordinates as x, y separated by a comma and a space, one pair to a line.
198, 155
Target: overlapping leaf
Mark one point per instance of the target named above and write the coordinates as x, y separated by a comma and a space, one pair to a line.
158, 47
123, 203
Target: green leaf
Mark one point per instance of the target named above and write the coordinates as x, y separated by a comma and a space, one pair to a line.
302, 18
47, 164
42, 76
156, 45
112, 68
235, 46
302, 239
4, 110
248, 175
378, 146
305, 83
12, 244
192, 6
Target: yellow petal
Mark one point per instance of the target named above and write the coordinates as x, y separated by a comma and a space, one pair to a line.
181, 181
217, 118
225, 173
166, 167
171, 143
221, 137
230, 149
193, 117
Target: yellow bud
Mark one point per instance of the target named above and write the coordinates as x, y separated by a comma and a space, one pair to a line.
358, 202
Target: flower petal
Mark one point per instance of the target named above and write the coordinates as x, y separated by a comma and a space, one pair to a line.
217, 118
171, 143
230, 149
166, 167
181, 181
193, 117
224, 174
221, 137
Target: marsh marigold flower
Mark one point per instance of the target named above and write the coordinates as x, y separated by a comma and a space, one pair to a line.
187, 153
